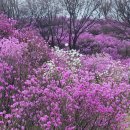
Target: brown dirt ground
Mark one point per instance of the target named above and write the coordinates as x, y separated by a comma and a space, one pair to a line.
129, 126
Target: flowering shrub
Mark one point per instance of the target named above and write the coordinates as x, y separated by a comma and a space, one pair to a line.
24, 49
7, 90
11, 48
6, 26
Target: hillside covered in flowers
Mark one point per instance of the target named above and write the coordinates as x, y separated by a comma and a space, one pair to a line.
44, 87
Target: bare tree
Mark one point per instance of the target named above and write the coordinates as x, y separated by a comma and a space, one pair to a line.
123, 11
80, 17
105, 7
49, 22
10, 7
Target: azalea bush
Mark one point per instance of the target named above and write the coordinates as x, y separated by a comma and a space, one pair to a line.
24, 49
6, 26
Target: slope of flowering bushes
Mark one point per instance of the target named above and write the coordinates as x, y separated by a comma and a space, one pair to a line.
54, 89
68, 93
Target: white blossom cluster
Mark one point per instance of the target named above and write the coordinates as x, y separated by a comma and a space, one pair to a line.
74, 61
71, 57
51, 69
